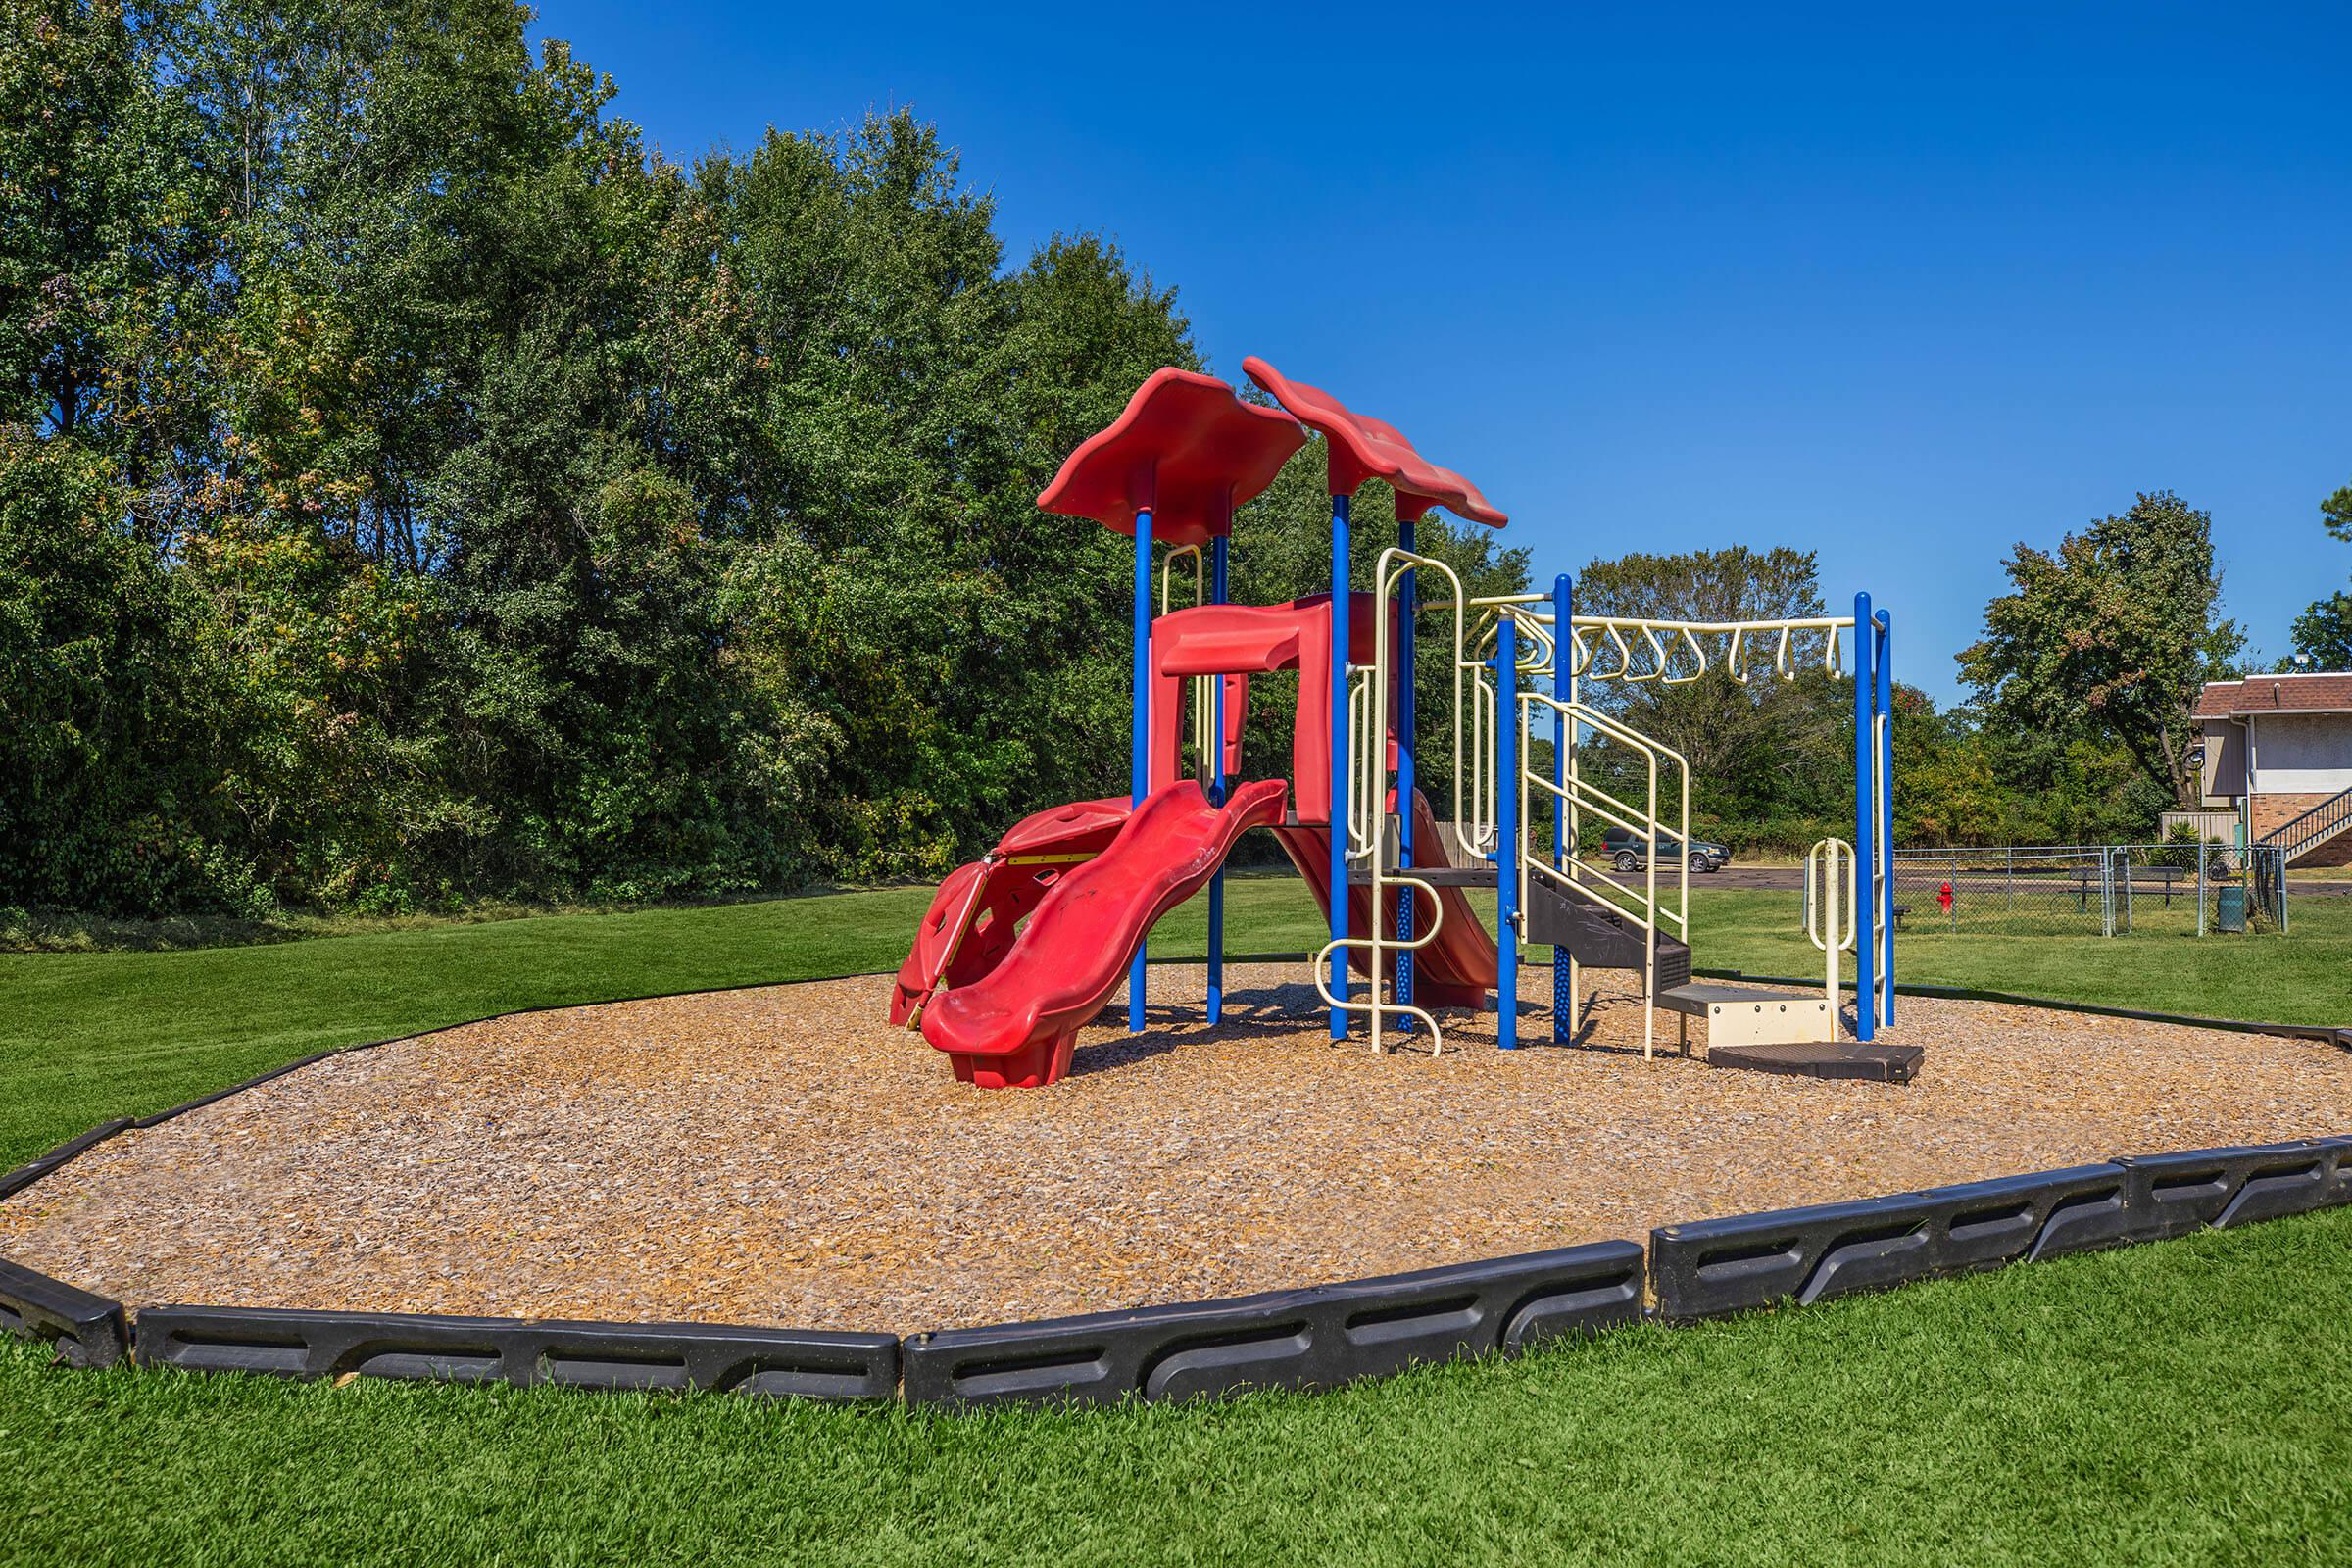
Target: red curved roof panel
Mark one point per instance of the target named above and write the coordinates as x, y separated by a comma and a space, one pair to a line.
1364, 448
1185, 448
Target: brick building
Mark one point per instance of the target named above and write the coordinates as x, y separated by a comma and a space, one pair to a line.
2279, 754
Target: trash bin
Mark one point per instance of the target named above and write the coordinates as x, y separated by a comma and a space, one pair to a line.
2229, 907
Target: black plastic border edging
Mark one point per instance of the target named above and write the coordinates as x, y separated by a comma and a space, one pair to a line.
1717, 1267
86, 1329
40, 1165
2324, 1034
806, 1363
1315, 1338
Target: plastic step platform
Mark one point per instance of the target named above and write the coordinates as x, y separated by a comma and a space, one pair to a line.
1828, 1059
1743, 1015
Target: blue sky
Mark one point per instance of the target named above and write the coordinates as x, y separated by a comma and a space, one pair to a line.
1898, 287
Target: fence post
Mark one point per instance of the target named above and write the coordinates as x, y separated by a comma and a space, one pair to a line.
2200, 883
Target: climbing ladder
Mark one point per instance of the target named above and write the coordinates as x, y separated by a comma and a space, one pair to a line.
1376, 835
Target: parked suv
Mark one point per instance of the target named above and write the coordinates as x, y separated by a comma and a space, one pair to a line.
1628, 851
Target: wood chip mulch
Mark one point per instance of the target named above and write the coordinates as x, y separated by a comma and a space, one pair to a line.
782, 1157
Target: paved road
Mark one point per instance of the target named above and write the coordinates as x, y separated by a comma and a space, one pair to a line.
1791, 879
1773, 878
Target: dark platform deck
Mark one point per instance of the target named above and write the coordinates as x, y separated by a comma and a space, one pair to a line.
1842, 1058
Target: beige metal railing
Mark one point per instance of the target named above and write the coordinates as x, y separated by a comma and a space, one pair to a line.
1367, 762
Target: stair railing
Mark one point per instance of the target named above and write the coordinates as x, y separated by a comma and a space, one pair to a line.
1368, 754
1581, 793
2300, 833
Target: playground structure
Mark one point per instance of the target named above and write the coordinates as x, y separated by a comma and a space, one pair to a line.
1021, 949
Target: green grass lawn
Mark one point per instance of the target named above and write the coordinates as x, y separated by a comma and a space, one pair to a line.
2190, 1401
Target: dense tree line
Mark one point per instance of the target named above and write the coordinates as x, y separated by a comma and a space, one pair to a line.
414, 489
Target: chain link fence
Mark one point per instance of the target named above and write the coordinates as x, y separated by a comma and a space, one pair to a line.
2109, 890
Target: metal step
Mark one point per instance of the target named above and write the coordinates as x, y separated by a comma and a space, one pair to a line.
1599, 938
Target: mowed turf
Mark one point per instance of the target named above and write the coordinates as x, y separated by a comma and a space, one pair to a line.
2183, 1402
84, 1036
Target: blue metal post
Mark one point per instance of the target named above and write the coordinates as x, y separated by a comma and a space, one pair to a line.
1507, 785
1884, 916
1216, 793
1866, 820
1406, 782
1339, 759
1563, 608
1139, 772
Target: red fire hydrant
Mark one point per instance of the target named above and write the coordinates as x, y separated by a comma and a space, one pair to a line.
1944, 896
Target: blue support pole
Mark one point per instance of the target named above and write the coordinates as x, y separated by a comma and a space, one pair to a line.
1866, 820
1139, 773
1507, 785
1339, 759
1884, 662
1406, 779
1563, 609
1216, 793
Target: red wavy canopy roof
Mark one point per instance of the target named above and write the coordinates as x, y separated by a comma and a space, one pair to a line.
1186, 449
1364, 448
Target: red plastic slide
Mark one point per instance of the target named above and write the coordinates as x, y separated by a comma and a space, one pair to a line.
1457, 968
1013, 1027
971, 923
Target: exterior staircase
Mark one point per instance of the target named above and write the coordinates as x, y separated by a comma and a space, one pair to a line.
2319, 836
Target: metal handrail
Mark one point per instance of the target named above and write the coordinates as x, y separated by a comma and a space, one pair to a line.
1822, 928
1577, 792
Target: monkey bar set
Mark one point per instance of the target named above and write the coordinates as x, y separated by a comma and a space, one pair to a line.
1021, 949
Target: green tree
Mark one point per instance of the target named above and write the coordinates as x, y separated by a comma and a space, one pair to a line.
2110, 639
2324, 632
1763, 750
102, 254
